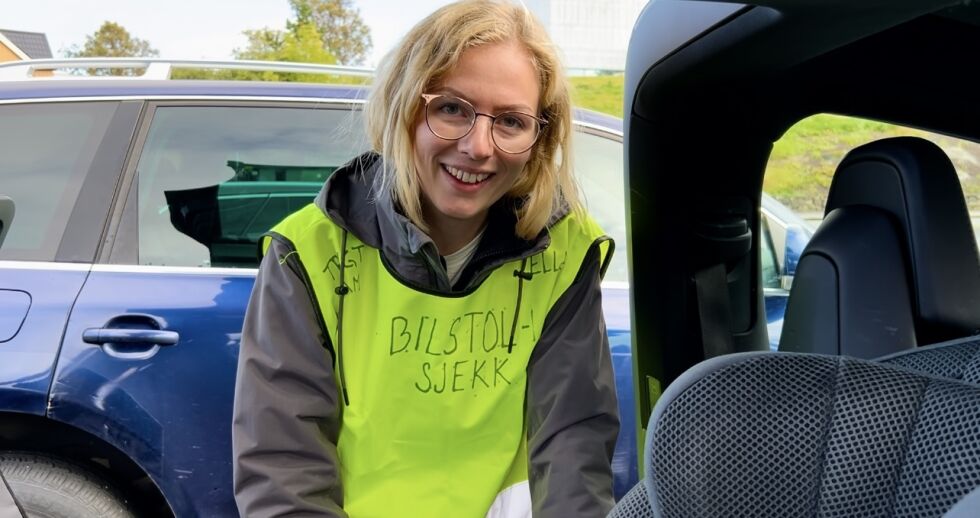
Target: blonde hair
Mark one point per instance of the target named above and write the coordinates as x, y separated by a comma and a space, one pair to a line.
427, 54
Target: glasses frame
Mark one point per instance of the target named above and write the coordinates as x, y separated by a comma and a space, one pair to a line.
428, 98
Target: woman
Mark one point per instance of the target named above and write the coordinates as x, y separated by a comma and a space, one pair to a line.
426, 338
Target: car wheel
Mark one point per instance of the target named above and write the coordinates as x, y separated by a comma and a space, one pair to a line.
50, 488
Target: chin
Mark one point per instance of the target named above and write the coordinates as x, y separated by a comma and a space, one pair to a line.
461, 213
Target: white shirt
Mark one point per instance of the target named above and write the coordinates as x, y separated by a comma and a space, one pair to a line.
458, 259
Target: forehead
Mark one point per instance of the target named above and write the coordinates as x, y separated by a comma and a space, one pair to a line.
495, 75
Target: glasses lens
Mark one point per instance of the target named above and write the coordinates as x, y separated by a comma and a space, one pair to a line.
449, 117
515, 132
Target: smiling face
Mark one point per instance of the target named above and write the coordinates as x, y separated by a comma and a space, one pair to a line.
461, 179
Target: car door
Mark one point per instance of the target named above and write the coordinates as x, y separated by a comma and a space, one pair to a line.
598, 163
150, 351
59, 164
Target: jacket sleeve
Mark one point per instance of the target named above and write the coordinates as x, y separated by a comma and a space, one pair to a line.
573, 417
287, 413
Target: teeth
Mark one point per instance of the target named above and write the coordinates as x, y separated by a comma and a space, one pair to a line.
465, 177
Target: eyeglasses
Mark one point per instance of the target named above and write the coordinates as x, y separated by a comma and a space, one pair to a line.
452, 118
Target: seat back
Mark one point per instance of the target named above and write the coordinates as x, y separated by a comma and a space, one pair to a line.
851, 293
864, 291
783, 434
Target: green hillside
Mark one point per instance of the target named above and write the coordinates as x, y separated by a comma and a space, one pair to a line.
804, 159
600, 93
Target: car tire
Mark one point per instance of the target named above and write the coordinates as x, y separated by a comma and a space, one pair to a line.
47, 487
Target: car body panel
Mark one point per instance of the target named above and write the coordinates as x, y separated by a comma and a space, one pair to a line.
615, 306
29, 353
167, 407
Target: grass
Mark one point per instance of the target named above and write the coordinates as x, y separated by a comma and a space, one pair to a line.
600, 93
803, 161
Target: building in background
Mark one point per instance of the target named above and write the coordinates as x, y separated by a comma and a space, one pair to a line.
592, 34
18, 45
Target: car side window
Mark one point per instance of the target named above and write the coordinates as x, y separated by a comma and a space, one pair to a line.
47, 150
598, 162
213, 179
804, 159
770, 268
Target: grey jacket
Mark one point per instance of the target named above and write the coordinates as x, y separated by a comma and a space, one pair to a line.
288, 412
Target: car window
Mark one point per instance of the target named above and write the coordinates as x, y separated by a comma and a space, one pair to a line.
598, 162
47, 150
803, 161
212, 180
770, 268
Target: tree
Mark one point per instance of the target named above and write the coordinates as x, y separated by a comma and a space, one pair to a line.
344, 33
301, 44
302, 41
112, 41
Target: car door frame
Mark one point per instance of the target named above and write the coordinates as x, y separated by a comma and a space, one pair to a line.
75, 254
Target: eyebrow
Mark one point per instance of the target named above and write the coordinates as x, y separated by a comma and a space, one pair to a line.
497, 109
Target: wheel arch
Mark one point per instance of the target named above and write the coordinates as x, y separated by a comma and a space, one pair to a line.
39, 435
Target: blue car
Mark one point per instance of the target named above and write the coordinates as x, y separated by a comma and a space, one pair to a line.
129, 213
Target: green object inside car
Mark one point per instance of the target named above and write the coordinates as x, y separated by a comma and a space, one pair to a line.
230, 217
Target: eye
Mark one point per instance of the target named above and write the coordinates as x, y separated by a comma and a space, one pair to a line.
452, 108
512, 121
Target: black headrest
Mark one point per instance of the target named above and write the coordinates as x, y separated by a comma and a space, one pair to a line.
851, 293
914, 181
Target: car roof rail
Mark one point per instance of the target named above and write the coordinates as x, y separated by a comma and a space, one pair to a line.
160, 68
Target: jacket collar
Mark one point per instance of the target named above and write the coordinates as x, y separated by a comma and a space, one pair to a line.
351, 199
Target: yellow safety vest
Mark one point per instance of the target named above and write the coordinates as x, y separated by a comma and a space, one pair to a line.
434, 424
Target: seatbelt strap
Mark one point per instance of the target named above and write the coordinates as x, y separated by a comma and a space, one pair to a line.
8, 504
714, 310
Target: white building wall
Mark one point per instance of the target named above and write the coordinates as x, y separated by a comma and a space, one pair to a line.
592, 34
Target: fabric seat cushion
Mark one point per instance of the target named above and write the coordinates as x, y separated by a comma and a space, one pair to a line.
783, 434
956, 359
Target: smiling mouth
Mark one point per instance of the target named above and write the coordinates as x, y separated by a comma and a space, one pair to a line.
465, 177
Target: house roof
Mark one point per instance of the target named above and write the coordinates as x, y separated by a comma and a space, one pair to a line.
34, 44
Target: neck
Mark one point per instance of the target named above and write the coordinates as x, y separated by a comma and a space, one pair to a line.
450, 235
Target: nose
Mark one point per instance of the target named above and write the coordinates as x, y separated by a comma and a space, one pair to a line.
478, 143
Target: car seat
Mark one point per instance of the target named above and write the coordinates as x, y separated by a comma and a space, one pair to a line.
788, 434
956, 359
894, 263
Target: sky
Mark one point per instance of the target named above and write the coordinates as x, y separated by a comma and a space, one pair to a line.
195, 29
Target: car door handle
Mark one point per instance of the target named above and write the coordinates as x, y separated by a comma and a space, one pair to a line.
132, 336
102, 336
